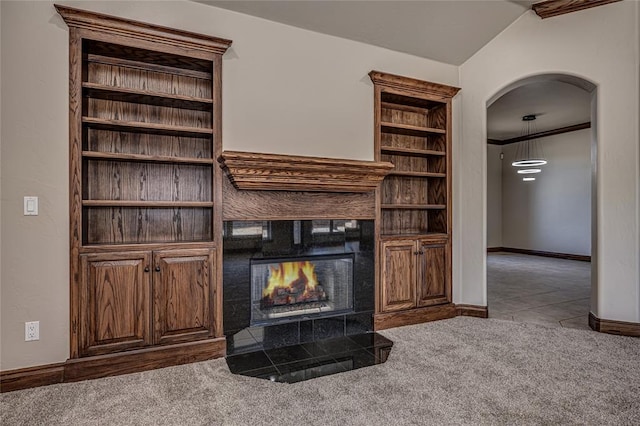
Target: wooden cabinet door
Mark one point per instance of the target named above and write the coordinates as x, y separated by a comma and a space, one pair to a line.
433, 273
115, 302
183, 286
398, 275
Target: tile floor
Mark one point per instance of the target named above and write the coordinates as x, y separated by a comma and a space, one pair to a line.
548, 291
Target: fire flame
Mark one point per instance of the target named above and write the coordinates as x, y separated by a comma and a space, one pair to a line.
287, 274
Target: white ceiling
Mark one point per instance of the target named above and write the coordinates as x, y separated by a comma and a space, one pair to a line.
449, 31
554, 103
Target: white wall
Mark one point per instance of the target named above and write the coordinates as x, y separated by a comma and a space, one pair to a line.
552, 213
494, 196
600, 45
285, 90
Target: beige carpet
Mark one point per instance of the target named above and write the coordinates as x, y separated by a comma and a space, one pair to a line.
459, 371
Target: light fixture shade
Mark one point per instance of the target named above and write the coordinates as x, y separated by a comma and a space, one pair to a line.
528, 179
529, 163
528, 171
529, 152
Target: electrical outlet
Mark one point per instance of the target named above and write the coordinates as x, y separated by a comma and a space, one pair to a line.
31, 331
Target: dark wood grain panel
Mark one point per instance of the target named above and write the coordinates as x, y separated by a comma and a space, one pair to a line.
622, 328
550, 8
432, 279
398, 275
111, 93
125, 76
294, 205
164, 39
127, 225
115, 302
148, 144
258, 171
407, 84
143, 359
31, 377
109, 110
383, 321
183, 287
144, 181
476, 311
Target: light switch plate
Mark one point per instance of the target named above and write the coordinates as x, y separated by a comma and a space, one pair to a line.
31, 206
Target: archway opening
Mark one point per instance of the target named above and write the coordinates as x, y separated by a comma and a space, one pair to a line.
541, 233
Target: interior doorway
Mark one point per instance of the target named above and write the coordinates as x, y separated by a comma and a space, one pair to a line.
540, 229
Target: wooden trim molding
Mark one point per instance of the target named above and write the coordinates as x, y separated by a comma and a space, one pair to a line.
384, 321
550, 8
568, 256
538, 135
476, 311
622, 328
272, 172
31, 377
93, 21
406, 83
96, 367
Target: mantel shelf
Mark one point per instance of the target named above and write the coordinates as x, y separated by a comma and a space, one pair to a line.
271, 172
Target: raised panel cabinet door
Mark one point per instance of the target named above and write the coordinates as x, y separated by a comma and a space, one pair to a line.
433, 273
183, 295
398, 280
115, 302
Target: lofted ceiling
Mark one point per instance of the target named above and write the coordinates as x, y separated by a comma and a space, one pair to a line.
449, 31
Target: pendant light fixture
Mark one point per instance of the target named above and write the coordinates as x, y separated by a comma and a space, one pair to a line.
529, 154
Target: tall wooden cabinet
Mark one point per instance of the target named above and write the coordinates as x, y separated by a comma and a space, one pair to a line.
413, 131
145, 115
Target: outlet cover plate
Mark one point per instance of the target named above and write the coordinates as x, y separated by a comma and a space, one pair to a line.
31, 331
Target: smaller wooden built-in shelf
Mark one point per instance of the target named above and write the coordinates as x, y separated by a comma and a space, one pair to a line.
112, 156
134, 126
411, 151
112, 93
410, 130
135, 203
413, 206
274, 172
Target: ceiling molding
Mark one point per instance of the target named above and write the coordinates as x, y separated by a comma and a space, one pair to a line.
538, 135
550, 8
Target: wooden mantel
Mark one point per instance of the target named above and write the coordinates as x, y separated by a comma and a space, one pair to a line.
272, 172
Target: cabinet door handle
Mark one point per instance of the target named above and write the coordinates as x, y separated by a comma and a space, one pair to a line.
146, 269
421, 252
157, 269
416, 253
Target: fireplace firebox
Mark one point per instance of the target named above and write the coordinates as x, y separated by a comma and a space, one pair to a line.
307, 287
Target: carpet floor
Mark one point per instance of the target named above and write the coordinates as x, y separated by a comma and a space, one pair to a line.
458, 371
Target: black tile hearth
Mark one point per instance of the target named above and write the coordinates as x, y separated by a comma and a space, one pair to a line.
296, 363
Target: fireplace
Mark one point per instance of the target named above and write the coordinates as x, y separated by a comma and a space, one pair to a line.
337, 254
307, 287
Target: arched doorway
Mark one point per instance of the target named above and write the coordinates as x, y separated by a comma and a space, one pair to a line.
544, 224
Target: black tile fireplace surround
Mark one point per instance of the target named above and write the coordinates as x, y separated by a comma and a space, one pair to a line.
315, 322
247, 243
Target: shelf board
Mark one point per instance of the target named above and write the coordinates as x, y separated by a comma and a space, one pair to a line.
407, 129
101, 91
411, 151
436, 236
131, 203
112, 156
417, 174
413, 206
153, 128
